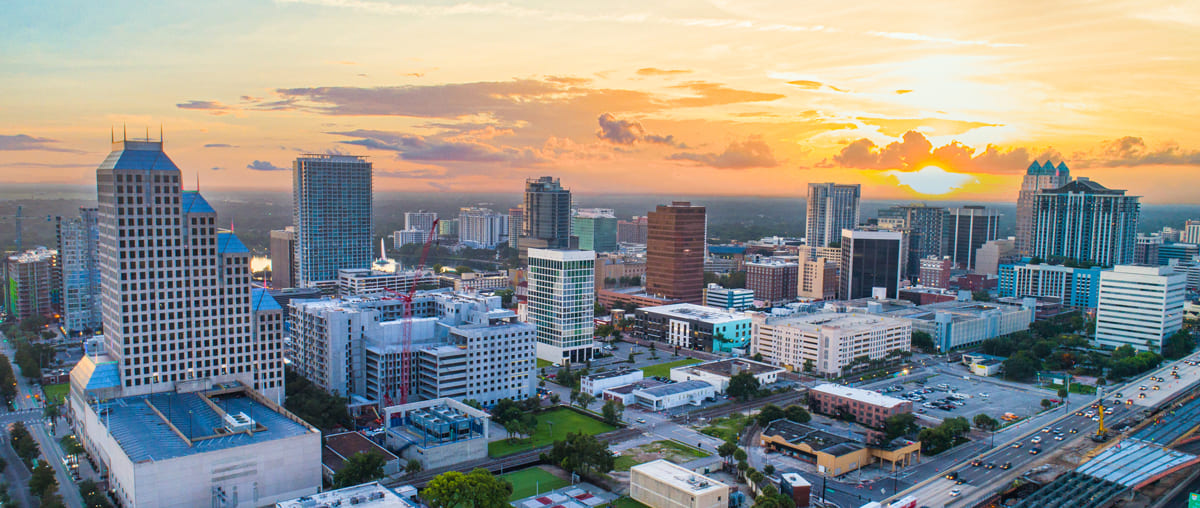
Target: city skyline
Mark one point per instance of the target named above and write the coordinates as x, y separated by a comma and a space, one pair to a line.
711, 99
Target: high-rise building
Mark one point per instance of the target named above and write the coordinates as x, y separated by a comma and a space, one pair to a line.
1084, 222
596, 229
831, 208
482, 228
78, 261
675, 246
419, 221
547, 215
1139, 306
1145, 249
871, 259
409, 236
1038, 177
448, 228
926, 227
773, 281
1170, 234
1077, 288
632, 231
32, 283
561, 302
991, 255
332, 202
935, 271
818, 278
1176, 251
283, 257
1191, 232
967, 229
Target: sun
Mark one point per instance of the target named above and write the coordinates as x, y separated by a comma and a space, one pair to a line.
931, 180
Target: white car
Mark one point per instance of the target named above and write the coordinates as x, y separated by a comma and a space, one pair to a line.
1036, 440
955, 492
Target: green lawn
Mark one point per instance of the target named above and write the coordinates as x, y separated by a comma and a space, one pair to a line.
623, 463
673, 451
564, 421
664, 369
543, 363
56, 393
729, 427
626, 502
528, 482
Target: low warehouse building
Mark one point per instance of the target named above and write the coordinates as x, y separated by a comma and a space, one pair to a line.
595, 384
718, 372
661, 484
674, 395
340, 447
834, 454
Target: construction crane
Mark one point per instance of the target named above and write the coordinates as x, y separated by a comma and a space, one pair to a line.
406, 323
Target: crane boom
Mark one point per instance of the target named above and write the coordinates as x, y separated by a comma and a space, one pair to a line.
406, 328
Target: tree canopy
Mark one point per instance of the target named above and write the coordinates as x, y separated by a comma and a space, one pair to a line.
1178, 345
743, 385
581, 453
361, 467
477, 489
923, 341
898, 425
314, 405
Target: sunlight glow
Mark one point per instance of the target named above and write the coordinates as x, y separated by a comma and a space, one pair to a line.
931, 180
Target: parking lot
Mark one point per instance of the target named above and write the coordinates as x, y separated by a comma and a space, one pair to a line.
974, 396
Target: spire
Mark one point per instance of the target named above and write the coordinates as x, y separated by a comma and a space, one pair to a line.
124, 132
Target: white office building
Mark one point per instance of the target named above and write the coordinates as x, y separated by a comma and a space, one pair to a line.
561, 303
595, 384
332, 214
419, 221
481, 228
826, 343
363, 281
1139, 306
409, 236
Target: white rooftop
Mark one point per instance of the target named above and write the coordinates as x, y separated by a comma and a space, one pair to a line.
858, 394
367, 495
834, 320
679, 477
712, 315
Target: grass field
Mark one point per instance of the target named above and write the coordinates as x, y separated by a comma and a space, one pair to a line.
564, 422
543, 363
56, 393
671, 450
726, 428
626, 502
534, 480
664, 369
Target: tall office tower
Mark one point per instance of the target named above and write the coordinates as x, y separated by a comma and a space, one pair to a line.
1191, 232
31, 283
332, 214
773, 281
562, 298
1139, 306
632, 231
926, 227
1037, 178
967, 229
818, 278
78, 261
871, 259
547, 223
991, 255
482, 228
175, 291
448, 228
596, 229
1084, 222
831, 208
516, 223
1145, 249
283, 257
675, 241
419, 221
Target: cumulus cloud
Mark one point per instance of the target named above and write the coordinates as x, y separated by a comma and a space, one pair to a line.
213, 107
628, 132
258, 165
752, 153
1131, 151
914, 151
27, 142
652, 71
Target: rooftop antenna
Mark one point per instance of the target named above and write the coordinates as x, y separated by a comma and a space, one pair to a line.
147, 133
197, 181
112, 133
124, 132
160, 133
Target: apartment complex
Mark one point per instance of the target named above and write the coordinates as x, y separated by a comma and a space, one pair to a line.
283, 257
728, 298
78, 262
365, 281
561, 303
1038, 177
481, 228
691, 326
826, 343
675, 252
633, 230
773, 281
613, 270
1084, 221
926, 228
831, 208
935, 271
331, 196
1073, 287
1139, 306
32, 286
818, 278
419, 220
547, 215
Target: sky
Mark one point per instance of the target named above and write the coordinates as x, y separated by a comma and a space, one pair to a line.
924, 99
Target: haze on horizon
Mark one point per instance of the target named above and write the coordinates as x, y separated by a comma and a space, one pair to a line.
929, 100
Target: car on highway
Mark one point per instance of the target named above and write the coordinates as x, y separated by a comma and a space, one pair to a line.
1016, 445
1036, 440
955, 492
990, 465
1006, 465
640, 420
1073, 430
976, 462
1058, 438
1096, 418
1035, 451
1046, 430
1142, 388
953, 475
1155, 387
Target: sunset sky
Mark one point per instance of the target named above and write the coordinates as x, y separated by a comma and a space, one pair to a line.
922, 100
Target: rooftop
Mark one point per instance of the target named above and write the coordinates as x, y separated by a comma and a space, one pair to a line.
633, 387
193, 202
679, 477
367, 495
731, 366
33, 256
818, 440
712, 315
339, 447
613, 373
859, 394
1133, 463
958, 311
676, 388
142, 425
228, 243
140, 154
834, 320
261, 299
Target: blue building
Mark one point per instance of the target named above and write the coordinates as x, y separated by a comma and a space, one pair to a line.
1181, 251
1075, 287
693, 326
728, 298
332, 213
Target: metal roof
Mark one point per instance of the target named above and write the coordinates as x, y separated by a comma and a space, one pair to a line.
1172, 425
193, 202
262, 300
228, 243
1132, 462
675, 388
146, 155
1073, 490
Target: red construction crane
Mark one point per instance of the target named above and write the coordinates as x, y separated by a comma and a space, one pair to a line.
406, 326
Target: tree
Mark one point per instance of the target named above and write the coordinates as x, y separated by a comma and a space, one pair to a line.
770, 413
985, 422
506, 410
23, 443
71, 446
743, 385
92, 496
981, 296
581, 453
477, 489
42, 481
1178, 345
313, 404
612, 411
1021, 365
756, 477
923, 341
1062, 393
361, 467
554, 398
771, 498
413, 466
739, 455
51, 412
758, 357
769, 469
898, 425
809, 365
1046, 404
726, 450
797, 414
